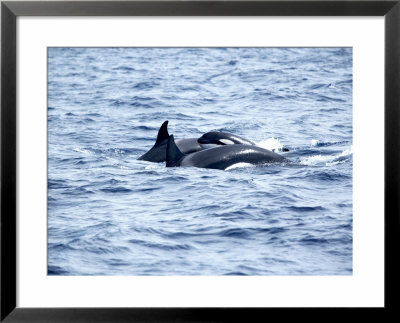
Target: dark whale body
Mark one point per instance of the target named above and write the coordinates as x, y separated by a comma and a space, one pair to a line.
221, 157
187, 146
158, 152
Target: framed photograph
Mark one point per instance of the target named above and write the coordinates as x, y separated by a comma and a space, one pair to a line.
198, 160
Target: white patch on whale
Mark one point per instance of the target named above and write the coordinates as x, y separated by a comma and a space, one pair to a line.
227, 141
239, 165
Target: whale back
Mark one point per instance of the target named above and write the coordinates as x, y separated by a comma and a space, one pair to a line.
223, 157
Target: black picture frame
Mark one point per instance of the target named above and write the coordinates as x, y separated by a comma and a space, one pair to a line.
10, 10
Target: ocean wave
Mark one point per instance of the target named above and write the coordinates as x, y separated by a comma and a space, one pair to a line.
60, 247
324, 98
235, 233
163, 246
145, 85
56, 270
57, 183
120, 189
327, 160
311, 240
124, 68
305, 208
106, 250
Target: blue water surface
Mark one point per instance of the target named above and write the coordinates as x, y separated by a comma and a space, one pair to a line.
110, 214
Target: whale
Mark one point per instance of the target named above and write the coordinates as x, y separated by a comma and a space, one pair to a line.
222, 138
220, 157
157, 153
208, 140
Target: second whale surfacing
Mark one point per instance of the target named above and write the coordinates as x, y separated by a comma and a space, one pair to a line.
221, 157
222, 138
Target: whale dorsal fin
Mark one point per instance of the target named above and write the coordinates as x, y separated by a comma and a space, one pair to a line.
174, 155
163, 133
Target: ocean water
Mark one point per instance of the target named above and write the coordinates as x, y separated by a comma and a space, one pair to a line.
110, 214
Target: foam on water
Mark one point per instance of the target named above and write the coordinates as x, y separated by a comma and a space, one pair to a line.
271, 144
315, 142
327, 160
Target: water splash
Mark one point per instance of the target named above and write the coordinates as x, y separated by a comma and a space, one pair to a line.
271, 144
327, 160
